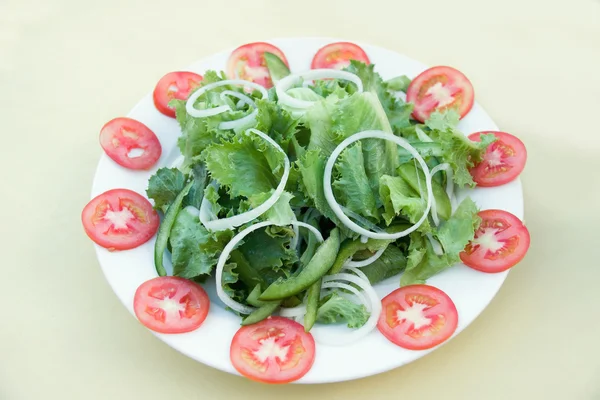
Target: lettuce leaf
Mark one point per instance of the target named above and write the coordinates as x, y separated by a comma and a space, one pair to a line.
243, 166
400, 199
164, 186
391, 263
335, 308
457, 150
453, 235
195, 251
352, 188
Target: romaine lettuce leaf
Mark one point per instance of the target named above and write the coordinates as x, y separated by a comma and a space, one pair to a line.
352, 188
400, 199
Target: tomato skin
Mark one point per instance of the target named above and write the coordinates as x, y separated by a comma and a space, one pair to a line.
121, 135
435, 312
338, 55
133, 210
278, 333
151, 296
500, 228
508, 156
184, 82
248, 62
438, 85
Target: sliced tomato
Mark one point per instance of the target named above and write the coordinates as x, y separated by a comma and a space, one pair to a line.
119, 219
504, 160
130, 143
174, 85
168, 304
338, 55
417, 317
248, 62
440, 88
275, 350
499, 244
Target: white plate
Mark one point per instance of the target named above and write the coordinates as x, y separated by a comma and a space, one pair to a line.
470, 290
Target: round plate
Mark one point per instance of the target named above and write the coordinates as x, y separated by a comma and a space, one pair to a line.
470, 290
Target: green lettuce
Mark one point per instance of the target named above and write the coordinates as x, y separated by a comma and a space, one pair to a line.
195, 251
453, 235
335, 308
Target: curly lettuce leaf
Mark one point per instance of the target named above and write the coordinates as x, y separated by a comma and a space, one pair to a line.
456, 149
164, 186
281, 213
352, 188
334, 308
195, 250
245, 166
268, 252
276, 122
453, 235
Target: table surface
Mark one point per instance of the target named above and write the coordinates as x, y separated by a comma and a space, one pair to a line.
66, 67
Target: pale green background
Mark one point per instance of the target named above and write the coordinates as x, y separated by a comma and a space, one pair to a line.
66, 67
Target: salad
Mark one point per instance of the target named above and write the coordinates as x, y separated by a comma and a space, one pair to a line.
299, 191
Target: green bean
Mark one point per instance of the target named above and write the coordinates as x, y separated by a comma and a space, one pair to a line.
261, 313
162, 237
318, 266
313, 296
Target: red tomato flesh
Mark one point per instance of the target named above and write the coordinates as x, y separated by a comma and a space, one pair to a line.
247, 62
338, 55
499, 244
169, 304
121, 137
503, 161
275, 350
119, 219
174, 85
417, 317
440, 88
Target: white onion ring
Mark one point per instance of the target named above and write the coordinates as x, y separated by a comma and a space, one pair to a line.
436, 246
336, 207
345, 286
196, 113
449, 189
365, 262
228, 301
286, 83
358, 273
240, 219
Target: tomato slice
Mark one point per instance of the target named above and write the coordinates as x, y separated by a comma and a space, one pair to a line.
275, 350
122, 137
338, 55
248, 62
169, 304
119, 219
174, 85
440, 88
504, 160
499, 244
417, 317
